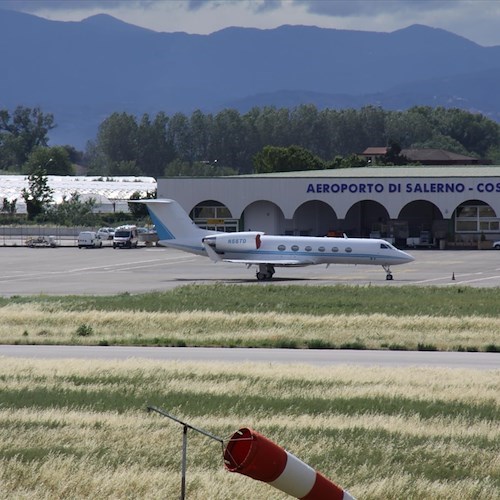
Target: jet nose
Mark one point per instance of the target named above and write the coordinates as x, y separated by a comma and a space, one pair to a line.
407, 257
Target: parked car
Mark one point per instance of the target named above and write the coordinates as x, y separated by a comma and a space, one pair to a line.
125, 237
89, 239
496, 245
106, 233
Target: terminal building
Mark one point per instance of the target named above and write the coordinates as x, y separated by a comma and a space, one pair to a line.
438, 206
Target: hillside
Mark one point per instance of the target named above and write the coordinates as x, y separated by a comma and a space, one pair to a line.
83, 71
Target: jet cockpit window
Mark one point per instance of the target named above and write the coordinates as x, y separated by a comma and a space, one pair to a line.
383, 245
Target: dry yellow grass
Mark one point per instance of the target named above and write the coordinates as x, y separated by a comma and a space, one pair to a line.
82, 452
31, 323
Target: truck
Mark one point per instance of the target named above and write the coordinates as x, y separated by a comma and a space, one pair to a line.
126, 237
89, 239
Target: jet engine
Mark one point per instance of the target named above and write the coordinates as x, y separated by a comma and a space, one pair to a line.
228, 242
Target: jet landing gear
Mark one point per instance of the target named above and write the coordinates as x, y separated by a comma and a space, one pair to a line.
265, 272
388, 274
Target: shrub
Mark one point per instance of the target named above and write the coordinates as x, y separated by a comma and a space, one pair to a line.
492, 348
319, 344
426, 347
84, 330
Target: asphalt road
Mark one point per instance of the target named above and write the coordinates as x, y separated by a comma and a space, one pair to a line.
69, 270
323, 357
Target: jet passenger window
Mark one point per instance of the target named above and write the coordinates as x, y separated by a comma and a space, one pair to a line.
282, 248
295, 248
308, 248
321, 249
348, 249
335, 249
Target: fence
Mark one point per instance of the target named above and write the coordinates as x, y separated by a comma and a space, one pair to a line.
11, 236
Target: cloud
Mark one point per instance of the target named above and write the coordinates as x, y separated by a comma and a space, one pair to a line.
361, 8
477, 20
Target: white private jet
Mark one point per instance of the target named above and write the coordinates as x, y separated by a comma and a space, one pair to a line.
175, 229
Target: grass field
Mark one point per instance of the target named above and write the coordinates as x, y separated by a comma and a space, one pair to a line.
79, 429
73, 429
464, 319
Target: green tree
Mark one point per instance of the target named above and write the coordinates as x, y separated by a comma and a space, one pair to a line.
95, 158
73, 211
154, 151
197, 169
117, 138
139, 210
393, 155
54, 160
201, 132
9, 207
74, 155
293, 158
21, 133
124, 168
350, 161
445, 142
179, 136
415, 125
38, 195
229, 144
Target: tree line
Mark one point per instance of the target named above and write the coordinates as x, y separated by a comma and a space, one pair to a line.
262, 140
302, 138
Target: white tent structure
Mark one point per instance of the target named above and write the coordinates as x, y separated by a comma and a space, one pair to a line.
110, 193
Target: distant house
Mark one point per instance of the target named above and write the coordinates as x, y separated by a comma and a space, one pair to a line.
424, 156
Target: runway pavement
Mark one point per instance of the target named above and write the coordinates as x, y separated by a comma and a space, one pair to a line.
105, 271
321, 357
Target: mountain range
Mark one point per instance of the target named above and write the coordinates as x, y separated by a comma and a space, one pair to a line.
84, 71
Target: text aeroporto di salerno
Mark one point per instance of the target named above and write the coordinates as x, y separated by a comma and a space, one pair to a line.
408, 187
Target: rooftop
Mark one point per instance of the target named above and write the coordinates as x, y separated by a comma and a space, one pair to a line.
379, 172
105, 190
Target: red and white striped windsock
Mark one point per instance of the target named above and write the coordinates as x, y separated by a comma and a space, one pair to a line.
253, 455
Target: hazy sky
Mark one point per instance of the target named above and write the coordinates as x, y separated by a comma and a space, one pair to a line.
477, 20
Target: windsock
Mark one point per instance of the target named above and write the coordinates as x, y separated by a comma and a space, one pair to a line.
255, 456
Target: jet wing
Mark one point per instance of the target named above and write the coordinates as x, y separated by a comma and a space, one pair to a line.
216, 257
283, 262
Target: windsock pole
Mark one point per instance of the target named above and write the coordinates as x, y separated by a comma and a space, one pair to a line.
255, 456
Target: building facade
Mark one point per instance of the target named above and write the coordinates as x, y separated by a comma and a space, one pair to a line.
406, 205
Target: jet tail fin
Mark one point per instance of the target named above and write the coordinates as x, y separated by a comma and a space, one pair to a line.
172, 222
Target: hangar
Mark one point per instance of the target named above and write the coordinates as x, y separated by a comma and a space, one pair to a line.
431, 206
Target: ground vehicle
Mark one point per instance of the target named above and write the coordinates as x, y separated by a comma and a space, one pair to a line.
125, 237
41, 241
106, 233
496, 245
89, 239
147, 236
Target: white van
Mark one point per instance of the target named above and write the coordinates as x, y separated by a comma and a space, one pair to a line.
89, 239
125, 237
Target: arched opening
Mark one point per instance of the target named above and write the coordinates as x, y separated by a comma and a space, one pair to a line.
425, 223
475, 221
264, 216
314, 218
215, 216
367, 219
